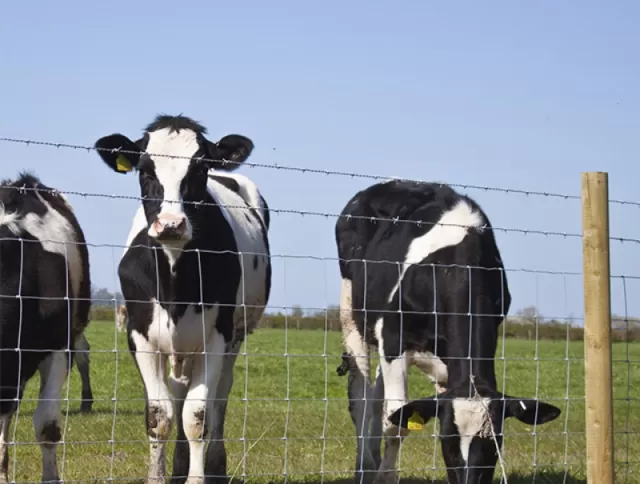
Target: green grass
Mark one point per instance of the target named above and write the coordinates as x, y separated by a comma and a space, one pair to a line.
111, 442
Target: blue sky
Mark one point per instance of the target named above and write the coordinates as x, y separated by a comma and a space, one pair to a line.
523, 95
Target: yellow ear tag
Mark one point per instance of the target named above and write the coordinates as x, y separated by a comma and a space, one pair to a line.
122, 164
416, 422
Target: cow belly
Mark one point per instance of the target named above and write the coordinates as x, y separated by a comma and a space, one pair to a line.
187, 335
194, 329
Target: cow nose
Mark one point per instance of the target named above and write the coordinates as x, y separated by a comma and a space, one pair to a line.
170, 226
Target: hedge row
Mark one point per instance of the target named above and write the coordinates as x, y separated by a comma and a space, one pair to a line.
549, 330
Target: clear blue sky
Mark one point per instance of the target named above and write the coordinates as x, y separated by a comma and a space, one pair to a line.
511, 94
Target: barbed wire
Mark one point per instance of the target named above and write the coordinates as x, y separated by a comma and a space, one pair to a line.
395, 220
320, 258
303, 213
464, 186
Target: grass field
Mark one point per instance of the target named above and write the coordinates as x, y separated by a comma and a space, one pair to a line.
288, 434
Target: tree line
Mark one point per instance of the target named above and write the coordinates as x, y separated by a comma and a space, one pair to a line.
526, 323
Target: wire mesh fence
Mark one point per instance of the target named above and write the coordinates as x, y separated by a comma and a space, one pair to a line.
288, 410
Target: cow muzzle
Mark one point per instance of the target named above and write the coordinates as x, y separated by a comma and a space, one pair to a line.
167, 227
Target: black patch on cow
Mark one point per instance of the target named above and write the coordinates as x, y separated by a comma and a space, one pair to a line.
51, 432
175, 124
201, 422
230, 183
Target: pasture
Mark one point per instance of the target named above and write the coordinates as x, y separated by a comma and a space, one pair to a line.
289, 415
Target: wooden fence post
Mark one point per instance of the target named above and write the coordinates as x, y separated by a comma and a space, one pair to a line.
597, 328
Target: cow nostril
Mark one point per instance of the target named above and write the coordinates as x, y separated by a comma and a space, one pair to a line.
170, 226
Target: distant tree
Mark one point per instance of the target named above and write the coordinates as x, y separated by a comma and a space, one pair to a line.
296, 311
101, 296
530, 314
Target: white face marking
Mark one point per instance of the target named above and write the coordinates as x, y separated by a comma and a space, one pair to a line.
524, 407
450, 230
174, 151
472, 420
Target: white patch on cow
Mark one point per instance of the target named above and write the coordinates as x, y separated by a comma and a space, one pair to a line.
250, 244
394, 375
472, 420
205, 376
184, 336
450, 230
9, 220
194, 329
139, 223
55, 233
152, 367
247, 189
53, 372
353, 343
432, 366
5, 423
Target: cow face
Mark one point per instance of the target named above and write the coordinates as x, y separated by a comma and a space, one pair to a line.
471, 428
173, 159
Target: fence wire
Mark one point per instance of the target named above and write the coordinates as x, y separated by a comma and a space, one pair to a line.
288, 410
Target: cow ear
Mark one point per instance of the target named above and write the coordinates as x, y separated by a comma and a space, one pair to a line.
118, 152
531, 412
415, 414
232, 150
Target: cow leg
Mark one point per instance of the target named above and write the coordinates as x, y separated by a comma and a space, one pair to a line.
5, 423
376, 417
395, 370
358, 386
158, 407
180, 380
433, 368
47, 416
203, 386
83, 361
216, 462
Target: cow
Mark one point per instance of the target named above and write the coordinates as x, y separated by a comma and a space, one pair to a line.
422, 278
44, 306
121, 317
196, 278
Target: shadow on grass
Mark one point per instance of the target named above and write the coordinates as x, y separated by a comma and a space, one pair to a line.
102, 411
541, 477
514, 478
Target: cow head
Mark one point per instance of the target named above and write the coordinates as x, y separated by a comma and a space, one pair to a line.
173, 159
471, 427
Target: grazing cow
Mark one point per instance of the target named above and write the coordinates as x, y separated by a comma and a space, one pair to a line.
432, 288
121, 317
44, 306
195, 279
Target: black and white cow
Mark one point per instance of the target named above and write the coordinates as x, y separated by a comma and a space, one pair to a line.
44, 307
434, 294
196, 279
